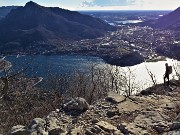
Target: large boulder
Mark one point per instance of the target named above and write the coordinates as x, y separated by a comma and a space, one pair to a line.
115, 98
38, 126
76, 104
36, 123
19, 130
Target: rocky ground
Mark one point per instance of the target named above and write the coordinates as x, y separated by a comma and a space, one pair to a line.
4, 64
154, 111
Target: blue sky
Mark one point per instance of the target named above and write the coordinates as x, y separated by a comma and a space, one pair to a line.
102, 4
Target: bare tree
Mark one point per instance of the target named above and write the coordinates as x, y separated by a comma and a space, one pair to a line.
22, 100
129, 85
176, 68
152, 76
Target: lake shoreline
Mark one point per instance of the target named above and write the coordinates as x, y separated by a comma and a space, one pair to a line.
49, 65
129, 59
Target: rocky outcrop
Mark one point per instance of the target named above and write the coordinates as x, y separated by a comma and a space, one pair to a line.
115, 98
117, 115
19, 130
4, 65
176, 123
37, 126
57, 122
53, 124
76, 104
175, 128
107, 127
132, 128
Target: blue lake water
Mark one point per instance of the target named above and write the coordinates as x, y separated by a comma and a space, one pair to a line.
125, 22
42, 65
129, 21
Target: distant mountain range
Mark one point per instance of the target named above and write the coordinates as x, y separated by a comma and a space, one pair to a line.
34, 23
169, 21
5, 10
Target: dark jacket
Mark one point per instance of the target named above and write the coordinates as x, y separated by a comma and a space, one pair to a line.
167, 70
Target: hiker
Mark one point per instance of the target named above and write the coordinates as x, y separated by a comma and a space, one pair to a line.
167, 73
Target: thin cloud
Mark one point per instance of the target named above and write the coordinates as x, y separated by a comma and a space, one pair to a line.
105, 3
158, 4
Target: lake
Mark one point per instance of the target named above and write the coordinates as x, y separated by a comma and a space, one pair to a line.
124, 22
41, 65
156, 68
129, 21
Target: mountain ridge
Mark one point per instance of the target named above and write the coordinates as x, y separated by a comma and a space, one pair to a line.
169, 21
4, 10
33, 23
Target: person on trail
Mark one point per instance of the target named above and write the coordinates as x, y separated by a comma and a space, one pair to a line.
166, 75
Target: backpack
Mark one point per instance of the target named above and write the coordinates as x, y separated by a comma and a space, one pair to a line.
170, 69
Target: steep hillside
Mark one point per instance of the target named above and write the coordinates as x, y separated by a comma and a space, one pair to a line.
170, 21
115, 115
34, 23
5, 10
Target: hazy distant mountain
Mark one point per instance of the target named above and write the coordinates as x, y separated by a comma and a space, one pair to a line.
32, 23
170, 21
5, 10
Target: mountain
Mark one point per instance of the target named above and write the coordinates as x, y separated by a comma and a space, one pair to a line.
169, 21
34, 23
5, 10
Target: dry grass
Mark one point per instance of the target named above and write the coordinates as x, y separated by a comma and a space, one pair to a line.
23, 103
